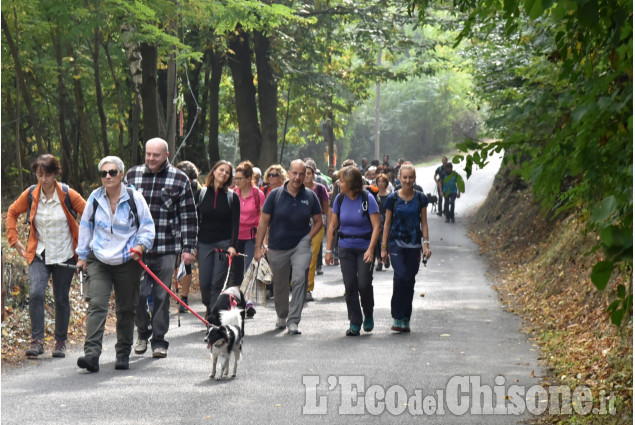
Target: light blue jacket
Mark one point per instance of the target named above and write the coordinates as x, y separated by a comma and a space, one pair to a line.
111, 236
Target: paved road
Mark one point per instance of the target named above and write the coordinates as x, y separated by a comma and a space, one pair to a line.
458, 331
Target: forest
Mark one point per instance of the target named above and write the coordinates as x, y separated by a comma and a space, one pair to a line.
548, 81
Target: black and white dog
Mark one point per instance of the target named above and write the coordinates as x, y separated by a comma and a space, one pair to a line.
433, 201
224, 340
229, 299
225, 335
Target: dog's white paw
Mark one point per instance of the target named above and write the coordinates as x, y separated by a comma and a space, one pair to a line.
218, 378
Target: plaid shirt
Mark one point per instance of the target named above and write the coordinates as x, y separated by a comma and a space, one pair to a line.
169, 196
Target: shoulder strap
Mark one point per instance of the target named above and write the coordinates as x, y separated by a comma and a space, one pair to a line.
133, 205
201, 194
230, 198
340, 200
311, 196
67, 201
255, 192
28, 211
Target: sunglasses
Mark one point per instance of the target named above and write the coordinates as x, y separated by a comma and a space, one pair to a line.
112, 173
273, 175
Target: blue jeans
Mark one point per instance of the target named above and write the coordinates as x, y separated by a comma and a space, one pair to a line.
358, 281
158, 324
39, 274
405, 263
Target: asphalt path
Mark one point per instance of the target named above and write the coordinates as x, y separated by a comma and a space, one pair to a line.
463, 348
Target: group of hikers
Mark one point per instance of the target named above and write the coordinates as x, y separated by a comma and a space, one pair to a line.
159, 214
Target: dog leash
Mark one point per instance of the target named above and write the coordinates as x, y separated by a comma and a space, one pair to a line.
172, 294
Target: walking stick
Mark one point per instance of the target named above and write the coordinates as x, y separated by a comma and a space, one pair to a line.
172, 294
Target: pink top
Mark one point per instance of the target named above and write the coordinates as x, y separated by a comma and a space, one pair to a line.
250, 208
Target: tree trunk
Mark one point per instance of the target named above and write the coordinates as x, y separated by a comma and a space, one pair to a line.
133, 54
194, 144
69, 168
35, 122
267, 100
135, 118
171, 104
99, 93
120, 104
249, 135
216, 64
152, 119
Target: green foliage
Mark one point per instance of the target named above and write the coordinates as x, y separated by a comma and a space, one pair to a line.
557, 76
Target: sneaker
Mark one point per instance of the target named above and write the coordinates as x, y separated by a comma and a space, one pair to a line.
281, 323
35, 349
369, 324
318, 271
160, 352
452, 219
447, 220
90, 363
181, 308
353, 330
387, 263
141, 346
379, 267
308, 296
122, 363
293, 329
269, 293
439, 214
251, 311
397, 325
60, 349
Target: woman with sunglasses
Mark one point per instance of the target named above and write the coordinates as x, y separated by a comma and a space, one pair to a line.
50, 246
116, 229
275, 176
219, 221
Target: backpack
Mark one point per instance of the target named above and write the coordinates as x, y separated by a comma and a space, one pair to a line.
340, 200
230, 198
67, 202
131, 203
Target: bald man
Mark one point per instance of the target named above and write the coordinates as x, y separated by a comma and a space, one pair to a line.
168, 192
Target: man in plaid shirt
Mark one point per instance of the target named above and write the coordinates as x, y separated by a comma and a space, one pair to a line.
169, 195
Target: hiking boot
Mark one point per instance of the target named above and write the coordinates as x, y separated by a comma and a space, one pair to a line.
182, 309
308, 296
405, 327
293, 329
141, 346
90, 363
397, 325
122, 363
160, 353
281, 323
60, 349
35, 349
369, 324
379, 267
353, 330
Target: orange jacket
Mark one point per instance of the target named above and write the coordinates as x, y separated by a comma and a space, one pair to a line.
21, 205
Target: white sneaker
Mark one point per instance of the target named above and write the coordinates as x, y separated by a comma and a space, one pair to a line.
293, 329
281, 323
141, 346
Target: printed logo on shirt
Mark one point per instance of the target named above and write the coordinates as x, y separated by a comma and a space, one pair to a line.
304, 201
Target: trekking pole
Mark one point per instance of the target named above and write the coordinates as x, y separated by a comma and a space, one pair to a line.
172, 294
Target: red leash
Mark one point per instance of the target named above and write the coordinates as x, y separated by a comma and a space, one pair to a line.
176, 297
